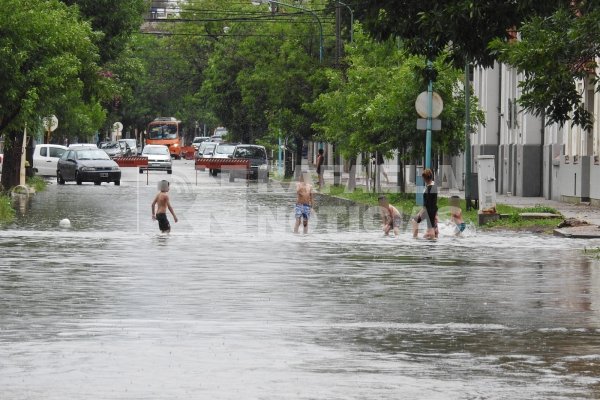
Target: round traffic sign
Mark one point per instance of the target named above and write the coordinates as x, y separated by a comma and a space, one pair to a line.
50, 123
421, 105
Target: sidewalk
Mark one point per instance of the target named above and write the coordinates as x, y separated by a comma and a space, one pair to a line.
583, 212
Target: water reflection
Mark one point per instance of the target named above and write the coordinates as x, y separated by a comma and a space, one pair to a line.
233, 305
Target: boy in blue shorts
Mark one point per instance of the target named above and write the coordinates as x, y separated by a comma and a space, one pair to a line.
304, 202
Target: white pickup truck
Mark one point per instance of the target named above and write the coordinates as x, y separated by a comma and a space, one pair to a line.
45, 158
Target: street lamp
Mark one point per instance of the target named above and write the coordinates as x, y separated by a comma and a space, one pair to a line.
314, 14
351, 20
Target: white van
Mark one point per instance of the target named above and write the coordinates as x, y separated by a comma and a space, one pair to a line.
45, 158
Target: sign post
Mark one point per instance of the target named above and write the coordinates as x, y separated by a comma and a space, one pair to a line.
429, 105
50, 125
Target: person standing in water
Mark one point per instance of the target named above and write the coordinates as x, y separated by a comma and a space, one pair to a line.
304, 202
161, 204
429, 210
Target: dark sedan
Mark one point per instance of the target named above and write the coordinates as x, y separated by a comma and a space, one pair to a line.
259, 163
87, 165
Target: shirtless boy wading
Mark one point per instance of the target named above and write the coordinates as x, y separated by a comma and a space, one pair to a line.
304, 203
161, 203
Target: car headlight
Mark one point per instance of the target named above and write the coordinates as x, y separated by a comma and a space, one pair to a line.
263, 167
88, 169
115, 168
175, 145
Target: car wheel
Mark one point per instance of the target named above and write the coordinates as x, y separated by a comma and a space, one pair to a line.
97, 183
59, 178
214, 172
169, 171
117, 183
141, 171
77, 178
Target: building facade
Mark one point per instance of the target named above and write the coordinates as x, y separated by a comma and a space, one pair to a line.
532, 158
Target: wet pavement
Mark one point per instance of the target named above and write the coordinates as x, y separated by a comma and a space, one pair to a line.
232, 305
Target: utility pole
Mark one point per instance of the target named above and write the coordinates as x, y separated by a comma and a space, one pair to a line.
468, 188
337, 160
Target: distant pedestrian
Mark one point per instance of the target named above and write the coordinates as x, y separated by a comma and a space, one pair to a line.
320, 160
456, 215
390, 216
429, 210
161, 204
380, 164
304, 202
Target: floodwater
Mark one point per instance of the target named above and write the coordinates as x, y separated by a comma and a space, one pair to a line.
232, 305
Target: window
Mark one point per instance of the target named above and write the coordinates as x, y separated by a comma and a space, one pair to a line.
250, 152
56, 152
44, 151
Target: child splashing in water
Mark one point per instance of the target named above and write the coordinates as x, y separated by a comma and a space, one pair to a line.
456, 215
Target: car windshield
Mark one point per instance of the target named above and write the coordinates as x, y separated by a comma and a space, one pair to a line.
199, 140
208, 147
111, 145
163, 132
225, 149
92, 154
155, 150
250, 152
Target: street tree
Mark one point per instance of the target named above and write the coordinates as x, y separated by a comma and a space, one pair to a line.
370, 106
116, 21
553, 53
48, 60
559, 42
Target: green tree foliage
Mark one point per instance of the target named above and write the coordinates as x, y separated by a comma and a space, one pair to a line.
48, 57
464, 28
115, 20
551, 54
371, 106
261, 71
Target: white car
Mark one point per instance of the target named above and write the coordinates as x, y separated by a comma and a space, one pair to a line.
45, 158
132, 143
80, 145
159, 158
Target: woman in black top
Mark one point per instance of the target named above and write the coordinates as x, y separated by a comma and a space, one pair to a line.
429, 210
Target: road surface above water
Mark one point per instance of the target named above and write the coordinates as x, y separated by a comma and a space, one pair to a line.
232, 305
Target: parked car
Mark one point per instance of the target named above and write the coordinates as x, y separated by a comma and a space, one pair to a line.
87, 164
259, 163
159, 158
116, 149
205, 150
132, 145
45, 158
222, 150
198, 140
81, 145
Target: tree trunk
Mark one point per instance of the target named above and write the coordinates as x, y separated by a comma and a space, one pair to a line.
352, 174
401, 175
298, 142
337, 167
11, 166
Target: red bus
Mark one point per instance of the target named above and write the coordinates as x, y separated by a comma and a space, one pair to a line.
166, 131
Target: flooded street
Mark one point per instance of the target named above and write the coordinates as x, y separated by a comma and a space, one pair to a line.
232, 305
